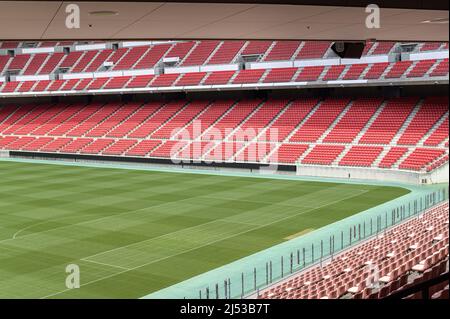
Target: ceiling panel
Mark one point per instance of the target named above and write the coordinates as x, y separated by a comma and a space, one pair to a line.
161, 20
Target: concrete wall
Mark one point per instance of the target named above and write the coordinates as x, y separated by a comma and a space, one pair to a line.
4, 154
440, 175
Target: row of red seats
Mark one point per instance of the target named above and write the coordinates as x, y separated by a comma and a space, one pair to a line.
309, 73
321, 127
189, 53
408, 254
321, 154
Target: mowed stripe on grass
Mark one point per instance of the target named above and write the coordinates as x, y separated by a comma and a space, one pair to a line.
135, 232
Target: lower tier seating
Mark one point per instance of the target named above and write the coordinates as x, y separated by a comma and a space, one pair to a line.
406, 255
409, 133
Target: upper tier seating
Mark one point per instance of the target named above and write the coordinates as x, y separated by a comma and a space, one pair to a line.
226, 52
189, 53
282, 51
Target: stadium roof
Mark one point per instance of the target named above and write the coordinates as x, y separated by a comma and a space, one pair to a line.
402, 20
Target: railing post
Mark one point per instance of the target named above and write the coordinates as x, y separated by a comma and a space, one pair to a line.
267, 273
292, 262
254, 277
242, 286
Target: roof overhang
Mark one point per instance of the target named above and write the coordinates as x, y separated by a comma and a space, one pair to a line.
402, 20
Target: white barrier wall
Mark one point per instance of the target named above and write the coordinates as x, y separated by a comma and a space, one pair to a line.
89, 47
34, 50
206, 68
4, 154
438, 176
428, 55
314, 62
30, 77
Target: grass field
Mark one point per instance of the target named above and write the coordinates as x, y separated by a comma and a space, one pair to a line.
135, 232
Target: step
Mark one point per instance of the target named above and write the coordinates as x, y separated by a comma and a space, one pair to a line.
433, 129
380, 157
370, 122
307, 117
404, 156
104, 120
408, 70
433, 67
238, 127
264, 130
264, 75
263, 58
189, 123
62, 123
26, 64
233, 77
239, 53
170, 118
217, 48
387, 70
199, 138
306, 153
189, 53
297, 51
335, 122
148, 117
407, 122
341, 156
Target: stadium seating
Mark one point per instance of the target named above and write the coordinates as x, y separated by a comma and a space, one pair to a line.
354, 72
320, 120
389, 121
282, 51
323, 154
200, 53
226, 52
313, 50
197, 53
399, 133
429, 113
441, 69
405, 255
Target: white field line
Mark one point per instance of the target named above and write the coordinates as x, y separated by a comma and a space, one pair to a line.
91, 220
104, 264
207, 244
28, 227
171, 234
117, 215
38, 224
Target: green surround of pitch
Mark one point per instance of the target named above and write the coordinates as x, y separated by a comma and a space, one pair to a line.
135, 231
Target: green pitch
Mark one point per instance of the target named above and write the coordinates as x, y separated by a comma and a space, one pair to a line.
135, 232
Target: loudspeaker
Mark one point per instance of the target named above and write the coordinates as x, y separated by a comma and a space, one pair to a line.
348, 50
